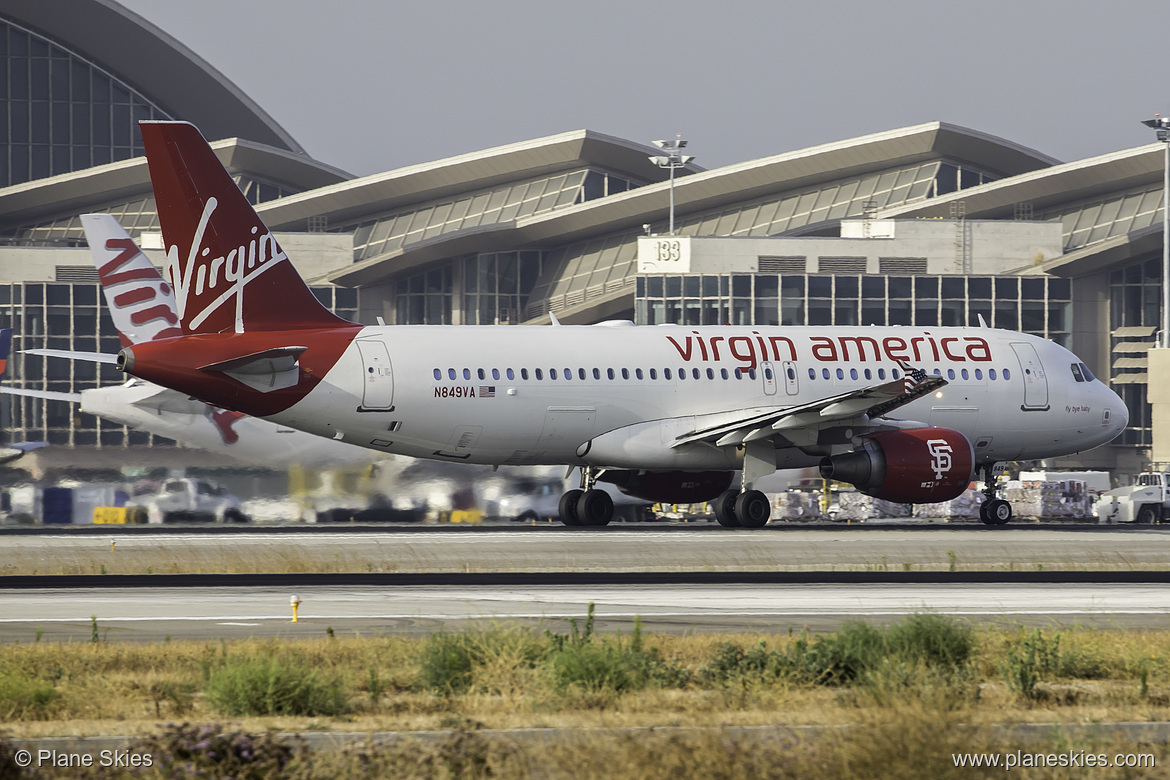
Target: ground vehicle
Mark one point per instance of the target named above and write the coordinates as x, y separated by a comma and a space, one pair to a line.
1145, 501
191, 500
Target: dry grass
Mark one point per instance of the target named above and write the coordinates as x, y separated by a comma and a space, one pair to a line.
128, 688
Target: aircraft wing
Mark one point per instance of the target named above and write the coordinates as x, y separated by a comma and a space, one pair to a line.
49, 395
92, 357
861, 407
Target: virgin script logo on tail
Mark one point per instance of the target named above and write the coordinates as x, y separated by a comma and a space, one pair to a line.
223, 277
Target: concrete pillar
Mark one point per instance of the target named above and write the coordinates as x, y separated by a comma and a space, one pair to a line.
1158, 393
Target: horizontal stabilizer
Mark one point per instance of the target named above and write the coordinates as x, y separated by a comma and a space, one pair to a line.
48, 395
92, 357
267, 370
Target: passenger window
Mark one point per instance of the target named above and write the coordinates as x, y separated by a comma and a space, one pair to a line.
467, 373
581, 373
791, 373
979, 373
710, 373
893, 373
597, 373
682, 373
938, 372
991, 373
625, 373
1076, 372
568, 373
752, 373
495, 373
638, 373
511, 374
438, 374
964, 374
825, 373
666, 373
609, 372
853, 373
451, 373
482, 375
1007, 374
539, 374
738, 374
524, 374
868, 373
840, 373
950, 373
768, 374
723, 371
812, 373
881, 373
653, 373
695, 373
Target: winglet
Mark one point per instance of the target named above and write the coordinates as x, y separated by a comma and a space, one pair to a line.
553, 318
5, 348
227, 270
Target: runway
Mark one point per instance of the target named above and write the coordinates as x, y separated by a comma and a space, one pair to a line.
136, 614
557, 548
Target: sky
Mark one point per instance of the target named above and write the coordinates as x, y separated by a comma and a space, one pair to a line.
373, 86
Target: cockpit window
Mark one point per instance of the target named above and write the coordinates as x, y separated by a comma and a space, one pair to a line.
1076, 371
1088, 374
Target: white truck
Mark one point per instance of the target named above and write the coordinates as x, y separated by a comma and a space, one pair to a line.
1146, 501
181, 499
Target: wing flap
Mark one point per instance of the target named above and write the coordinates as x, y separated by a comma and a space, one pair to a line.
863, 404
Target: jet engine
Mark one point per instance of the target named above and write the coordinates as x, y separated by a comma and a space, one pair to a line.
915, 466
670, 487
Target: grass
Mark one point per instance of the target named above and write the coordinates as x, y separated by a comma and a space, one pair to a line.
504, 677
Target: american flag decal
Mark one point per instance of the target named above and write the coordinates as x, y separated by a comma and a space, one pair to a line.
913, 376
487, 391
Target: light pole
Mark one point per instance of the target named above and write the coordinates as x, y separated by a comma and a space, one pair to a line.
671, 160
1162, 125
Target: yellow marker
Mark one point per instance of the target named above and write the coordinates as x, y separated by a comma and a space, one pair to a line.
296, 602
112, 543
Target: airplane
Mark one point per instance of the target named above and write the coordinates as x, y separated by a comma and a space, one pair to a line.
142, 306
907, 414
16, 450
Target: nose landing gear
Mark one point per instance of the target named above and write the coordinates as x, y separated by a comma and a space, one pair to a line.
993, 511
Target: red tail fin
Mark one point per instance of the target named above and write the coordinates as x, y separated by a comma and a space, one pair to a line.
227, 270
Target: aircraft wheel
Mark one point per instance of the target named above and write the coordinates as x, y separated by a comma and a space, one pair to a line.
568, 507
594, 508
752, 509
995, 512
724, 508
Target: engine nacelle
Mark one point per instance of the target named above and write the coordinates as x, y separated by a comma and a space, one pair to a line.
670, 487
915, 466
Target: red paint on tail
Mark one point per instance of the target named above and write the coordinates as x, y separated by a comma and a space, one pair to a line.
227, 270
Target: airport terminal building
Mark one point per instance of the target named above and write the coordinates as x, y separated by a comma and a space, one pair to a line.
930, 225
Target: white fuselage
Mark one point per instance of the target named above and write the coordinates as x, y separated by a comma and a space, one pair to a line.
618, 395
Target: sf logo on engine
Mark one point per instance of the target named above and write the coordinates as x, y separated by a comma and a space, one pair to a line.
940, 456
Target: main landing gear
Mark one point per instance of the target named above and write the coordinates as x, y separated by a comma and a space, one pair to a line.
587, 506
993, 511
742, 509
